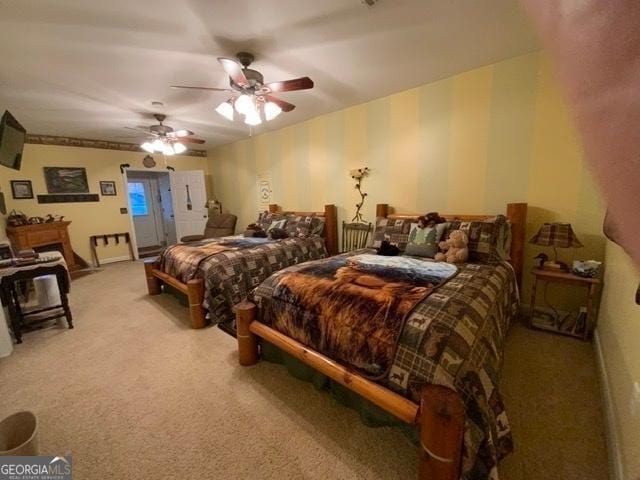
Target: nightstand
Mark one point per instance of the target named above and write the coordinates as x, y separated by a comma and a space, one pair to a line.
564, 323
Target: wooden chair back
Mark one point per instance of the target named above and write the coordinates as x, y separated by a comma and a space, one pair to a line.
354, 236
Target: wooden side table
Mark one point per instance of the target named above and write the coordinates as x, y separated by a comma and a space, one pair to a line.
593, 286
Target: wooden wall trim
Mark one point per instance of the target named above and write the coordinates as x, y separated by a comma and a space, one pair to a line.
38, 139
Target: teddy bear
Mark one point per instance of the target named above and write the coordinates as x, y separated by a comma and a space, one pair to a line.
454, 249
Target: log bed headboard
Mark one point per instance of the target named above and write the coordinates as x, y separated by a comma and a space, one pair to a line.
516, 214
330, 232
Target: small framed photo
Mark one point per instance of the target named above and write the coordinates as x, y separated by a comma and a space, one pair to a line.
108, 188
21, 189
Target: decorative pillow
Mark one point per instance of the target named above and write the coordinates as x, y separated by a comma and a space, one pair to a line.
396, 232
503, 247
301, 226
265, 219
279, 224
317, 226
423, 242
484, 237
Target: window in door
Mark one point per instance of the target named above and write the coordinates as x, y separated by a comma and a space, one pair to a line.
138, 199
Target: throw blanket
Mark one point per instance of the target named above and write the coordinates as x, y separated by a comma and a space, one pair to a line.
452, 337
353, 309
233, 266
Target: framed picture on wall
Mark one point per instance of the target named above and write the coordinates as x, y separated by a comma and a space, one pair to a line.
21, 189
66, 179
108, 188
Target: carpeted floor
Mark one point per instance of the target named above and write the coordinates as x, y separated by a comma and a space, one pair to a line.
133, 393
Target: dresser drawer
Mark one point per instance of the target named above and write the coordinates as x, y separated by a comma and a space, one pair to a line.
44, 237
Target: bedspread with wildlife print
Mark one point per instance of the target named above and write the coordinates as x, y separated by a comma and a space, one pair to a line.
233, 266
452, 337
352, 308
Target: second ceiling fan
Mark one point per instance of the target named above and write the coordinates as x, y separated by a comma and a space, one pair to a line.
252, 97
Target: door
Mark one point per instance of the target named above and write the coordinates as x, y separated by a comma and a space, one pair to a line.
145, 212
189, 198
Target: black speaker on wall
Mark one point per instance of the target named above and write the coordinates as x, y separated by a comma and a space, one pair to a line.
3, 206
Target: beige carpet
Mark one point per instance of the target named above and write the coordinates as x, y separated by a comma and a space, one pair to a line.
133, 393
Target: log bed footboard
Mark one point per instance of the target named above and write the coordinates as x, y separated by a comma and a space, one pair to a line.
193, 289
440, 414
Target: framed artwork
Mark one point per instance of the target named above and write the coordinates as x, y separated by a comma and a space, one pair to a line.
21, 189
108, 188
66, 179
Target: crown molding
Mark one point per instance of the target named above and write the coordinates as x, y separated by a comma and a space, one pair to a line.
91, 143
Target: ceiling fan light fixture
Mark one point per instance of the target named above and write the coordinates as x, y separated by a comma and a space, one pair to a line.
253, 118
179, 148
158, 145
271, 111
167, 149
226, 110
147, 147
243, 104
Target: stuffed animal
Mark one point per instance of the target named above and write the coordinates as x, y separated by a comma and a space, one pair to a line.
454, 249
388, 250
277, 233
433, 218
255, 230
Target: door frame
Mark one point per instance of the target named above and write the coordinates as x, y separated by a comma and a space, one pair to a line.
132, 227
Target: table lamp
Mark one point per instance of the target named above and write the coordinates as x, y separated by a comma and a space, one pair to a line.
556, 235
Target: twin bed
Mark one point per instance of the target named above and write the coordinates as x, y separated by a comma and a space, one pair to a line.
216, 274
421, 340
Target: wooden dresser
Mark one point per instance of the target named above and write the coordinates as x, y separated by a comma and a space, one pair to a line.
44, 235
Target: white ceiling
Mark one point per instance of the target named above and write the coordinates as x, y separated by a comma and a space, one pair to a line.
88, 68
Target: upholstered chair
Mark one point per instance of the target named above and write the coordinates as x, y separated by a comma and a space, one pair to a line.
218, 225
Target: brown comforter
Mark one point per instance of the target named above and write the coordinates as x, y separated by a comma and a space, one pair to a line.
452, 337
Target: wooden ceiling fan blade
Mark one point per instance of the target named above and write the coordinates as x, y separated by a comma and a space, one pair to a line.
234, 70
302, 83
285, 106
191, 140
212, 89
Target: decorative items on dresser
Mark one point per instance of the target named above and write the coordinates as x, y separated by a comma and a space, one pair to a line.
574, 324
42, 237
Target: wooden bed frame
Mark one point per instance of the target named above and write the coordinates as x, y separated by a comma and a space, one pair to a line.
440, 414
194, 289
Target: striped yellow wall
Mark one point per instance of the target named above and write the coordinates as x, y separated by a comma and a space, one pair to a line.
469, 144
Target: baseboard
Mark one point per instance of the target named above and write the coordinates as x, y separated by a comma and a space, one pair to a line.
114, 259
616, 471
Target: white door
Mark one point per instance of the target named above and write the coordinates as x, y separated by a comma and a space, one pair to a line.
146, 215
189, 197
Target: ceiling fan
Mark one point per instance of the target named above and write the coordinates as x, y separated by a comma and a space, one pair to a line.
165, 139
251, 96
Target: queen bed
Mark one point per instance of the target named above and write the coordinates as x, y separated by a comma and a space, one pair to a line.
216, 274
421, 340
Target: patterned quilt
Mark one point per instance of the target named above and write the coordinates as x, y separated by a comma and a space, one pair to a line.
453, 337
233, 266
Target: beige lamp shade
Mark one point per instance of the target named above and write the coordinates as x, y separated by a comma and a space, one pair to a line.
559, 235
